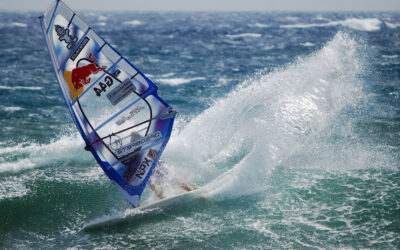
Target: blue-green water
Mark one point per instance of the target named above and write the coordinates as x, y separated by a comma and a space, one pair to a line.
291, 119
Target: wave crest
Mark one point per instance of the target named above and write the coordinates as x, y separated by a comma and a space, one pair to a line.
367, 24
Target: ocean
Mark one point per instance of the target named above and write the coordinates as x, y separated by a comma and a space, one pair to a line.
291, 120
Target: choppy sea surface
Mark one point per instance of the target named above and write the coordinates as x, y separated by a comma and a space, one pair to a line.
291, 119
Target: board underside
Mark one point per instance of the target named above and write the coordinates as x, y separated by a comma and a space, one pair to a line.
166, 204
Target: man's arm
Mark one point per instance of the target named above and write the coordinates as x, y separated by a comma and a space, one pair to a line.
157, 190
184, 185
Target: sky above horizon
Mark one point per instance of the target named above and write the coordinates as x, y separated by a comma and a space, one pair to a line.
209, 5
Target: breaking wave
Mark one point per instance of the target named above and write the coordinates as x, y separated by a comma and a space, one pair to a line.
367, 24
28, 155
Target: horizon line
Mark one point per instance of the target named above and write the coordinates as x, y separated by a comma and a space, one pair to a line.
212, 11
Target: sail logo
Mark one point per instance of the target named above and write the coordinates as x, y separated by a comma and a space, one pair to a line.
80, 48
63, 35
144, 166
80, 75
132, 114
151, 138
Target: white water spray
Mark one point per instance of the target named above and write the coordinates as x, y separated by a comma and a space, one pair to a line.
235, 144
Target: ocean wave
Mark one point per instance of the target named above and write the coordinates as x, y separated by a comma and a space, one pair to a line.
12, 109
20, 87
268, 47
390, 56
368, 24
307, 44
259, 25
392, 25
321, 18
244, 35
178, 81
16, 166
12, 187
160, 76
167, 74
30, 155
133, 22
102, 18
20, 25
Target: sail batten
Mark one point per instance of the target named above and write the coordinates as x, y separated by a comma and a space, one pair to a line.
115, 107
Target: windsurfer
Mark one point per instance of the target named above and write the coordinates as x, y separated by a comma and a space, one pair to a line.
160, 176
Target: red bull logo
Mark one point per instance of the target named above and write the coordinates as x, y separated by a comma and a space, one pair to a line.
81, 75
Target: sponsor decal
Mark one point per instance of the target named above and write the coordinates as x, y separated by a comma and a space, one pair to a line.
144, 166
63, 35
80, 48
132, 113
152, 154
141, 170
120, 92
124, 150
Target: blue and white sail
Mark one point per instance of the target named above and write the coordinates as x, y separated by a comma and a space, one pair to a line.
115, 107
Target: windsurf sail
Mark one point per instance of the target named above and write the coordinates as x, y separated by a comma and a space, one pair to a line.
115, 107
